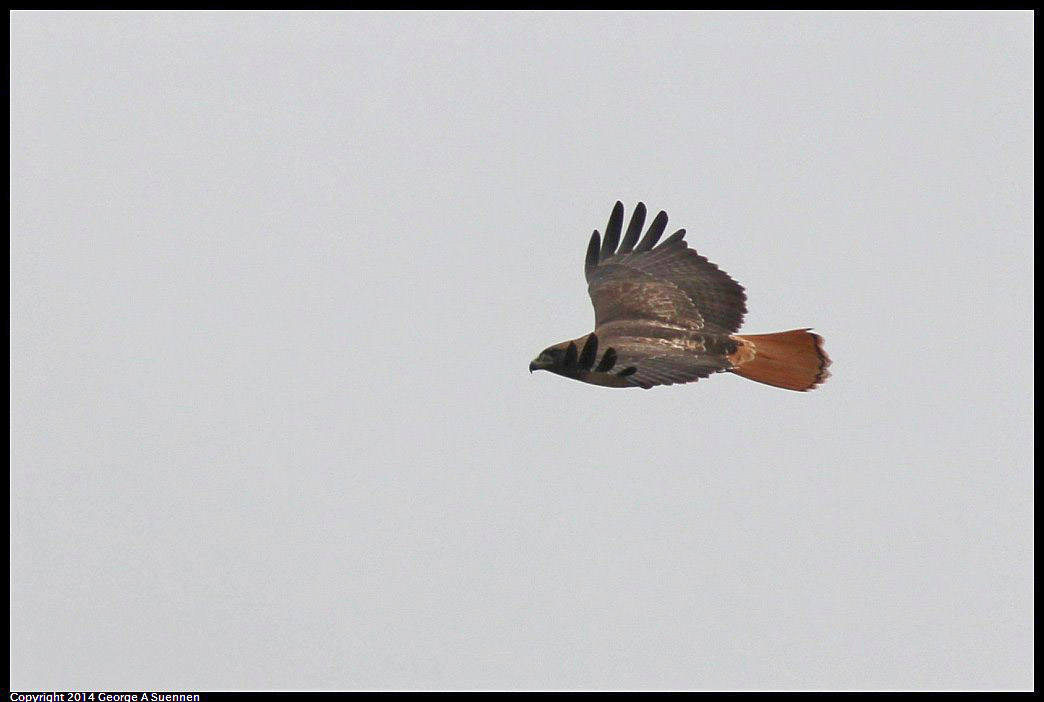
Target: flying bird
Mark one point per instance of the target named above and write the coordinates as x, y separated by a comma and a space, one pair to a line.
665, 315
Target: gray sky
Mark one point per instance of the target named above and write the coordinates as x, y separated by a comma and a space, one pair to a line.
276, 280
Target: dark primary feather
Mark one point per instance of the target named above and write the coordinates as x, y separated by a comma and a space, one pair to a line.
607, 362
673, 238
590, 352
634, 229
592, 253
656, 230
612, 231
570, 357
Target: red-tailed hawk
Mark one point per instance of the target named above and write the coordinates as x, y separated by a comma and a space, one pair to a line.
664, 315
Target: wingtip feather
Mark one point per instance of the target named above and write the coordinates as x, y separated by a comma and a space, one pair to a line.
612, 231
634, 229
593, 248
656, 230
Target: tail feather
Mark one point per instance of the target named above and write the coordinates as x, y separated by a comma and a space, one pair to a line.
794, 359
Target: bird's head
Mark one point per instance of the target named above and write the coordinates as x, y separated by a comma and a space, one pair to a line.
560, 358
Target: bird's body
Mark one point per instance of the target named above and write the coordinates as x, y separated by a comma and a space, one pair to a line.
664, 315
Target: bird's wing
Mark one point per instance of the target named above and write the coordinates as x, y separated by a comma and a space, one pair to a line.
649, 362
666, 310
652, 284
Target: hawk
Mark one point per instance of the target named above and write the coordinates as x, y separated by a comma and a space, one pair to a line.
665, 315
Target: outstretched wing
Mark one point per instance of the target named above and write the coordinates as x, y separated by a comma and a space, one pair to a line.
657, 285
667, 310
649, 362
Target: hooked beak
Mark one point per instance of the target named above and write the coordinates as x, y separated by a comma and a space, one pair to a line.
533, 366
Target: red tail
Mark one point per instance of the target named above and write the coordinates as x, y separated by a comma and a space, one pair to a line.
794, 359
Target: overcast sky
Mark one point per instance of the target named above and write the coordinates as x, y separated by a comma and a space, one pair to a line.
276, 280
